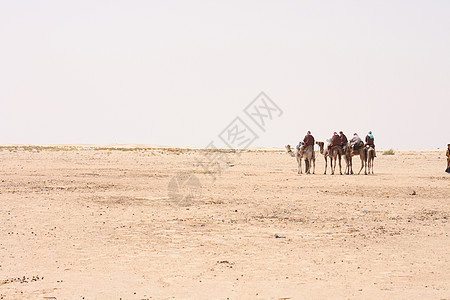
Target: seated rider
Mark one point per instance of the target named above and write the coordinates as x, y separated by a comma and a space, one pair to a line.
308, 141
370, 140
335, 141
344, 140
356, 142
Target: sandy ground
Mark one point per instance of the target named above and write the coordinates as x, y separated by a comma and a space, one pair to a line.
80, 223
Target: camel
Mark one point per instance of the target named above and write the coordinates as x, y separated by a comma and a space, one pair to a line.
370, 158
346, 152
361, 151
308, 154
336, 152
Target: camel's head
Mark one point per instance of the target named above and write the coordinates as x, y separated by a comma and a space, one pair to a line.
320, 144
289, 150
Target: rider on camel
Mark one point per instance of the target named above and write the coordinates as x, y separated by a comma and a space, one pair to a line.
370, 141
356, 142
308, 141
344, 140
335, 141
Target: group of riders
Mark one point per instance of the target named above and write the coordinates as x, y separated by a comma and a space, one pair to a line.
341, 140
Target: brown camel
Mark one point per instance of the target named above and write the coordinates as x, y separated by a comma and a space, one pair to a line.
334, 153
308, 154
347, 152
370, 158
361, 151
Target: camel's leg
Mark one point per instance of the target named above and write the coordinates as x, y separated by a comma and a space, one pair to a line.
340, 165
332, 165
347, 168
365, 169
308, 166
349, 161
346, 163
314, 165
371, 165
326, 162
362, 166
373, 160
351, 165
299, 162
366, 157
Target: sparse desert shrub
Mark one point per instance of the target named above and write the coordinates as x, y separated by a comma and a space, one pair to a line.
389, 152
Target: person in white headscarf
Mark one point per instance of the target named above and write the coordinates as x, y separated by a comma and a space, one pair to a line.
356, 141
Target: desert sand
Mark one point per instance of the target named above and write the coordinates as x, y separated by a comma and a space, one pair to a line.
102, 222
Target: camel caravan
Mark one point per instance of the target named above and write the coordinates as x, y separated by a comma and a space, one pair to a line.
333, 150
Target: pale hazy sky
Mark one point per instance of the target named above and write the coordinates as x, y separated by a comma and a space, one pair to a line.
178, 72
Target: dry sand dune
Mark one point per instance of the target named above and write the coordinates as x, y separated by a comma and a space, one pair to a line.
94, 222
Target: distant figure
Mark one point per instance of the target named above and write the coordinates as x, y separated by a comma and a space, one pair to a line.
344, 140
335, 140
308, 155
308, 141
356, 142
448, 158
370, 141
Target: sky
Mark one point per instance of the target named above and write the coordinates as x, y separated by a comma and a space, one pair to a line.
179, 72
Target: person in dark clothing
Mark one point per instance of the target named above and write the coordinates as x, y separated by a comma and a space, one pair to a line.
308, 140
335, 140
344, 140
370, 141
